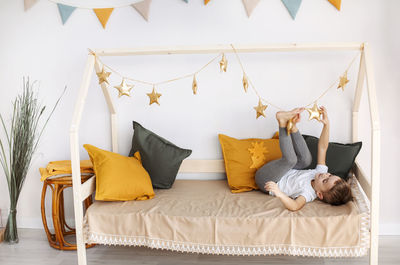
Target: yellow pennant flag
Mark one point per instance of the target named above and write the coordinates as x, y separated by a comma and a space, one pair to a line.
103, 14
336, 3
206, 1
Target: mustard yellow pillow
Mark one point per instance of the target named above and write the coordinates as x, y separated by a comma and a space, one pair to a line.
243, 157
118, 177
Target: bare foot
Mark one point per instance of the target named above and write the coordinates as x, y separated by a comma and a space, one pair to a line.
284, 116
296, 118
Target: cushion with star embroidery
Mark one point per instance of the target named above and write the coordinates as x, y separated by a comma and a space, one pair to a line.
242, 158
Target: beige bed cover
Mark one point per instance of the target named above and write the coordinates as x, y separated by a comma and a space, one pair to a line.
203, 216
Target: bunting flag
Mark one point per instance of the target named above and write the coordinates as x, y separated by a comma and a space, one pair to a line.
65, 12
292, 6
250, 5
143, 8
29, 3
103, 14
336, 3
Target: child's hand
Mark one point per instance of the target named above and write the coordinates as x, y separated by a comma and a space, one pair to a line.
272, 186
324, 112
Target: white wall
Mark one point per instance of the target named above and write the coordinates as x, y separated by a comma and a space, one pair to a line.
35, 43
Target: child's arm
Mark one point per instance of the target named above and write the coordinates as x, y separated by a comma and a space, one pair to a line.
290, 204
323, 141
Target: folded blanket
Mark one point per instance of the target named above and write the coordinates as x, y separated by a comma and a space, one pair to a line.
2, 230
64, 167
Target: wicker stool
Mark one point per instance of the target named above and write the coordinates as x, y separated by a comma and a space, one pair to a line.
57, 186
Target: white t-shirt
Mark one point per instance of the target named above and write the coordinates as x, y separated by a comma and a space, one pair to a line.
298, 182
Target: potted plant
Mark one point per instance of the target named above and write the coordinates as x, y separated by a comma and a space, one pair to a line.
17, 146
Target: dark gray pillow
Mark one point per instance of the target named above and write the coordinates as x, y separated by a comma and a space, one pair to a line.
339, 157
160, 157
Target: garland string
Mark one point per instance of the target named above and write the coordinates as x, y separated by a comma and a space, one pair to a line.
269, 103
207, 64
158, 83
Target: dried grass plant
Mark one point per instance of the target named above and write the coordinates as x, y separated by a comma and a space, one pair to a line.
18, 147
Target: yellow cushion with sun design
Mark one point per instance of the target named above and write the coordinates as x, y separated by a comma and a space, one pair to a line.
118, 177
243, 157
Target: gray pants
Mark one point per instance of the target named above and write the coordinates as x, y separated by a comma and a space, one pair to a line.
295, 155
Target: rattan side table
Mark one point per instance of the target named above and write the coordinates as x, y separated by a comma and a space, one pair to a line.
61, 228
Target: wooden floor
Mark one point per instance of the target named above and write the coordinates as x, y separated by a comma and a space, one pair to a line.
33, 249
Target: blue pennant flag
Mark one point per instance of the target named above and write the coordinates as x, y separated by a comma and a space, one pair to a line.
292, 6
65, 12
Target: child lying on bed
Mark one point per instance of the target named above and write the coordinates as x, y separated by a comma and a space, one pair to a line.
285, 179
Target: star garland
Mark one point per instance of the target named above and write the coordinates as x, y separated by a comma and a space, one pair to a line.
124, 89
314, 112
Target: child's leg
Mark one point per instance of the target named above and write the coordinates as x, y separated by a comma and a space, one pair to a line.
274, 170
303, 153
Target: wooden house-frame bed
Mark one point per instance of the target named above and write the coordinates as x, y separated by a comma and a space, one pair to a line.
369, 186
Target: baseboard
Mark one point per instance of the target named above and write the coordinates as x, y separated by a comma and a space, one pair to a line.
392, 229
37, 223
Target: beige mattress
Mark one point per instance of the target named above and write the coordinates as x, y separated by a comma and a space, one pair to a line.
203, 216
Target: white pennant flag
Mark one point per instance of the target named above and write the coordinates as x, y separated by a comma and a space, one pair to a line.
250, 5
143, 8
29, 3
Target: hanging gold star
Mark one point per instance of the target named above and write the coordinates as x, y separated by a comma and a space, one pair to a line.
194, 85
314, 112
260, 109
223, 64
289, 126
124, 89
103, 75
154, 96
343, 81
245, 82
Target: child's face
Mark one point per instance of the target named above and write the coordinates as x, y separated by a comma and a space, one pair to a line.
324, 181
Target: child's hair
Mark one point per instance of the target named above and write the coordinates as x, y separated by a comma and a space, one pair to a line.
339, 194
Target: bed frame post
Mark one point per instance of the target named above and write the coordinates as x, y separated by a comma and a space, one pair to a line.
75, 160
366, 70
111, 108
375, 156
357, 96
